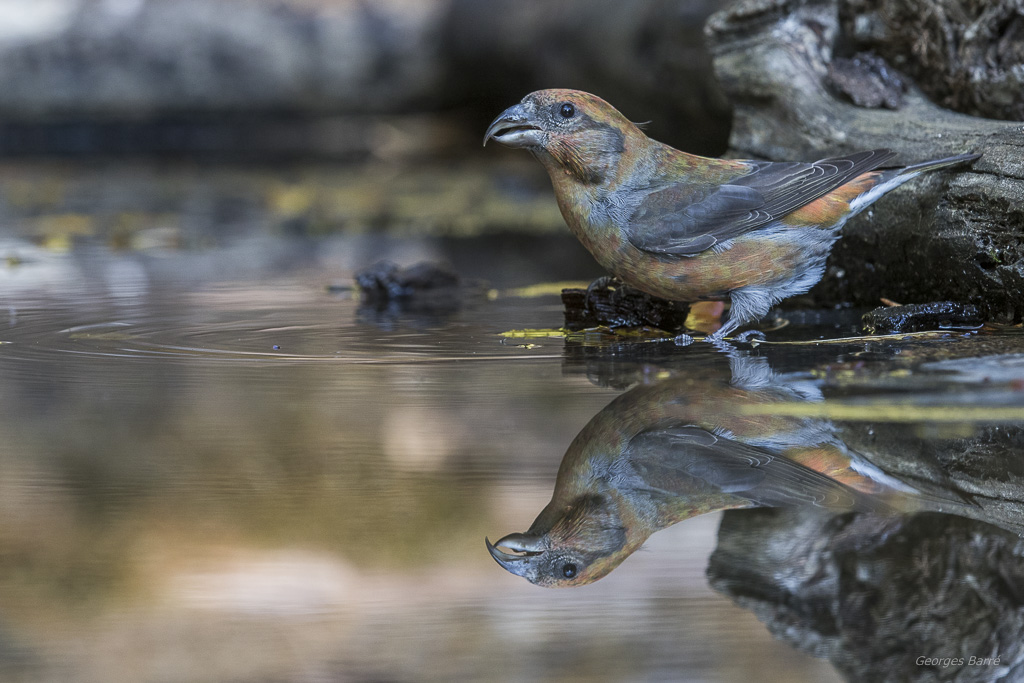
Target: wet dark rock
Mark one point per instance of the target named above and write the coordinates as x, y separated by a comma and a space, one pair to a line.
867, 81
876, 595
421, 295
621, 307
936, 315
385, 281
949, 235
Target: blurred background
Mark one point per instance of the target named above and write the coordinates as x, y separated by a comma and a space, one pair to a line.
215, 464
149, 124
336, 78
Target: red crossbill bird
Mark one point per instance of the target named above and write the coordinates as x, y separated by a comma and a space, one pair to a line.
663, 453
689, 228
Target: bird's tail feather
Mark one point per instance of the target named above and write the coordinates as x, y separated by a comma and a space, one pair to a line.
892, 178
937, 163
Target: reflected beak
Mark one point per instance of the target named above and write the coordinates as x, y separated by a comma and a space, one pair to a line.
523, 548
514, 128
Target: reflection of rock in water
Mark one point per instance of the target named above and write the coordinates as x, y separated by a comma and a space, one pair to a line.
902, 598
877, 596
984, 465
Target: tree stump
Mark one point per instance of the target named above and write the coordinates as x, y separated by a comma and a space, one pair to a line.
953, 235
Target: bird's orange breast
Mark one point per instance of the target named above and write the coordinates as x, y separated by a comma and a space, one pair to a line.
708, 275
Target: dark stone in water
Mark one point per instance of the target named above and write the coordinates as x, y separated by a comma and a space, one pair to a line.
621, 307
917, 317
385, 281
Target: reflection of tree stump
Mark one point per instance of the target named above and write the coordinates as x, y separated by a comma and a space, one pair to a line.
985, 467
952, 235
874, 595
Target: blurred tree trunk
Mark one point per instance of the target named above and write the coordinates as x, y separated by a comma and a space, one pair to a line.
648, 59
100, 61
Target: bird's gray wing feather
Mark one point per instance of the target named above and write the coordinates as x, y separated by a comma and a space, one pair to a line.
730, 466
684, 219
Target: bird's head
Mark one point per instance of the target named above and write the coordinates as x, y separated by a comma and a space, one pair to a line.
570, 546
568, 130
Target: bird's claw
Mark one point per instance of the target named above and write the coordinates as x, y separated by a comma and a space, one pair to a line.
602, 282
750, 335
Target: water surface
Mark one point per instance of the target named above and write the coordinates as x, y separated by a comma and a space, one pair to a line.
216, 466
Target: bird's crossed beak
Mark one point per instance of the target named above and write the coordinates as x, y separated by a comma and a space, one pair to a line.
514, 128
523, 548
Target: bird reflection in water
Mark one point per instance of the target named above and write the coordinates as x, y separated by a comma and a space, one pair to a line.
664, 452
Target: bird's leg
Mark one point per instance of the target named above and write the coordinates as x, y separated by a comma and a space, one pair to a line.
726, 348
719, 336
748, 303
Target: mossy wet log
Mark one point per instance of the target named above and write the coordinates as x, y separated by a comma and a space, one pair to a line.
966, 55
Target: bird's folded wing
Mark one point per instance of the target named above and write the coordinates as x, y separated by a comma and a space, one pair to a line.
677, 219
666, 453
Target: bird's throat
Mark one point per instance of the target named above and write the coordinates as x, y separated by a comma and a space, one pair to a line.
569, 162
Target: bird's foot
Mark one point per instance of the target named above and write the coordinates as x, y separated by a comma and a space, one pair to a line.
603, 282
716, 337
750, 335
719, 341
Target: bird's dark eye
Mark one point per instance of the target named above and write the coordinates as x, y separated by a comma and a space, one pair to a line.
567, 111
568, 570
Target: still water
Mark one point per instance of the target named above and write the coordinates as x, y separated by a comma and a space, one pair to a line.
217, 465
